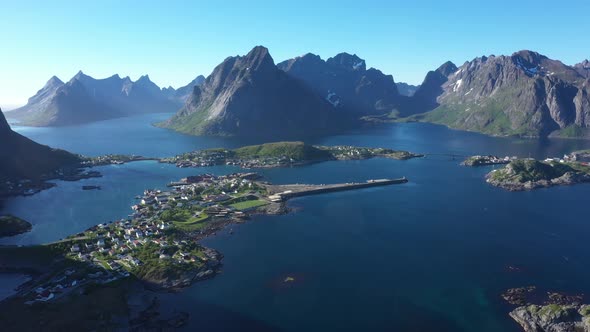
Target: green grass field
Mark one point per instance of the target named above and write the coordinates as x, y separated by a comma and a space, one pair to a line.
249, 204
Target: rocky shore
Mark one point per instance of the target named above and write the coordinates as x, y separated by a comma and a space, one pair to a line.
552, 312
553, 318
528, 174
564, 180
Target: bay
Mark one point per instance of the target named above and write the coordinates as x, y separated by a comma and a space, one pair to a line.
429, 255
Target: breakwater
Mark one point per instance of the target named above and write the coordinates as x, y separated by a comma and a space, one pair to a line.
284, 192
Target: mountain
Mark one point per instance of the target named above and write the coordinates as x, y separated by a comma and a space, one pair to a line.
425, 98
583, 68
85, 99
21, 158
249, 96
525, 94
183, 93
405, 89
345, 82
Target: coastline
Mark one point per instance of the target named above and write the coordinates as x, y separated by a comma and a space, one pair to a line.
172, 279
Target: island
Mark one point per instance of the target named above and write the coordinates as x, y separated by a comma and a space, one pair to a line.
111, 159
155, 248
527, 174
548, 313
11, 225
282, 154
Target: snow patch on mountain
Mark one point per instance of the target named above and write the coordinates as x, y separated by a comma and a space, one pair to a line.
457, 85
358, 65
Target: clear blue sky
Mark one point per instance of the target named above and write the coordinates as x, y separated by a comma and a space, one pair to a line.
174, 41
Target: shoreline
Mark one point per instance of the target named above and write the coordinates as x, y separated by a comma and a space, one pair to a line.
187, 240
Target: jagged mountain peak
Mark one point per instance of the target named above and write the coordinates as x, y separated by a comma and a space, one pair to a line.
258, 58
531, 57
145, 77
54, 80
348, 61
447, 68
248, 95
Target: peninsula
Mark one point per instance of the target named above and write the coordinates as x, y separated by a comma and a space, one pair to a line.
282, 154
11, 225
157, 245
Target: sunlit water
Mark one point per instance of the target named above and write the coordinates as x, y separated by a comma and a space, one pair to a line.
429, 255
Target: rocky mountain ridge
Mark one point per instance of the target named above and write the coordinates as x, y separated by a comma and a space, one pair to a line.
250, 96
345, 82
85, 99
524, 94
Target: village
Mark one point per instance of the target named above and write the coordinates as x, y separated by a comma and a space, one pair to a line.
282, 154
207, 158
487, 160
156, 243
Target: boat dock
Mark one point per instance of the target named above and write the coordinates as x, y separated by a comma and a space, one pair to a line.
281, 193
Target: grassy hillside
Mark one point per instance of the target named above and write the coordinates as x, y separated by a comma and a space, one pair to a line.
293, 150
24, 159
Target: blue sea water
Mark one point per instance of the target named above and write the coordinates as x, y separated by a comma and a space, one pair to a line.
429, 255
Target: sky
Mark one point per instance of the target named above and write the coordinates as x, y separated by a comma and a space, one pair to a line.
174, 41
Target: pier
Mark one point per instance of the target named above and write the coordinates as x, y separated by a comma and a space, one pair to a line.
284, 192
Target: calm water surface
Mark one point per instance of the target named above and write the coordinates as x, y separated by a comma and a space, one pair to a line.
430, 255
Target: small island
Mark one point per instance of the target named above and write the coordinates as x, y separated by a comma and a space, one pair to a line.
11, 226
282, 154
528, 174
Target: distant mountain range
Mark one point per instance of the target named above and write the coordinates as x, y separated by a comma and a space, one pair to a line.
21, 158
525, 94
250, 96
85, 99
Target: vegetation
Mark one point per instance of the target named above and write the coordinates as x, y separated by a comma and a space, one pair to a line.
95, 310
572, 131
155, 268
281, 154
488, 117
525, 170
294, 150
11, 225
246, 205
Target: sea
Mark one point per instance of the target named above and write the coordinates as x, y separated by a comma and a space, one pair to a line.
433, 254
